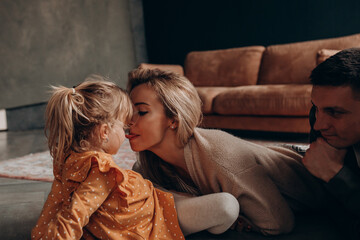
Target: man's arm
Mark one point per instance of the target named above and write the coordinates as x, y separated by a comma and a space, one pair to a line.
322, 160
327, 163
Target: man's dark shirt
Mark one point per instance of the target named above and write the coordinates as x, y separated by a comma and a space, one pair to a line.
344, 186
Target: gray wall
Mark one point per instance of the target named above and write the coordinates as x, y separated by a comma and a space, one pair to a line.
45, 42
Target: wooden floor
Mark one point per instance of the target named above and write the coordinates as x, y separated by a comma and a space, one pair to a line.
21, 200
20, 204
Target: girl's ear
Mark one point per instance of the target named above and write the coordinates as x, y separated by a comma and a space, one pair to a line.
104, 131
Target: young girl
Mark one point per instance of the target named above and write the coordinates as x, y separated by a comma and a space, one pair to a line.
91, 197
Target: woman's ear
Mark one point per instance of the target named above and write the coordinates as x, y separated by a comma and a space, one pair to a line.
173, 124
104, 131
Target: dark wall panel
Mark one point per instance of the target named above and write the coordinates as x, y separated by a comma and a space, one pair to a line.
175, 28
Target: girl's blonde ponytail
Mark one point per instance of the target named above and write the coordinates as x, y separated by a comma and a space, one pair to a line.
73, 113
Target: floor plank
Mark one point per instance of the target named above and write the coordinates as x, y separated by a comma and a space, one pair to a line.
21, 202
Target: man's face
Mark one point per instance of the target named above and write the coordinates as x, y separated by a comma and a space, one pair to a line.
337, 115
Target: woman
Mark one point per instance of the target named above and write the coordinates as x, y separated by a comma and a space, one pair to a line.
177, 155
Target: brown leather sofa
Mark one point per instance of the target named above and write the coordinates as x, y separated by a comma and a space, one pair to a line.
258, 88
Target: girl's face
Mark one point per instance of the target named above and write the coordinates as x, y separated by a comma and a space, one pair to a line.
150, 126
116, 137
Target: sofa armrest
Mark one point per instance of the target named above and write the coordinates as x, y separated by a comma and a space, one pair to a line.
166, 67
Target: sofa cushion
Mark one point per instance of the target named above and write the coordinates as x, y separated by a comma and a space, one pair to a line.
293, 63
207, 95
226, 68
258, 123
270, 100
324, 54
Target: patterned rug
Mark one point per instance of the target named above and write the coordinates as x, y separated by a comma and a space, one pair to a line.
38, 166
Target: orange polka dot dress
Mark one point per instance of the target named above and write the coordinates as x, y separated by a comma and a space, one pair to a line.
95, 199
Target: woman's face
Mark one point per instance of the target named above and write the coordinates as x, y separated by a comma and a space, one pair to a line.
150, 126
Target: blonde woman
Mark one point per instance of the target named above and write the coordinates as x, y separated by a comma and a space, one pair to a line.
177, 155
91, 197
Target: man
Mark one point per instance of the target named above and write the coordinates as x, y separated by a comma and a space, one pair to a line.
334, 154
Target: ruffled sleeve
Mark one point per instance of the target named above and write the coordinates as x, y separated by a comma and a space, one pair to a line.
78, 165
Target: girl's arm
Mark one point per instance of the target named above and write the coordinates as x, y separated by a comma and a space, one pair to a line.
85, 200
52, 203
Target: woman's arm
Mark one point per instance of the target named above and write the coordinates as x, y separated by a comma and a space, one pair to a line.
260, 200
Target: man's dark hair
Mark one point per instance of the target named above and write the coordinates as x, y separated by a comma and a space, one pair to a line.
341, 69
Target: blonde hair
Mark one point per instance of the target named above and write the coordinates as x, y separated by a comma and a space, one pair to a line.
178, 96
182, 103
73, 113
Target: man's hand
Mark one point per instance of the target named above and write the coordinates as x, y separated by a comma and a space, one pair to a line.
322, 160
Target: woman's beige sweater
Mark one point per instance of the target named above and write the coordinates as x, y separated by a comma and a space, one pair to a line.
267, 181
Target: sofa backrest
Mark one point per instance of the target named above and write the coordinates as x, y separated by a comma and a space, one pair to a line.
293, 63
165, 67
226, 68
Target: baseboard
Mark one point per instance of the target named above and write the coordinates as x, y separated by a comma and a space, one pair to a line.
26, 117
3, 122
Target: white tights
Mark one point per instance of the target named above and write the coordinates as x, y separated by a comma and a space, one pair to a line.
213, 212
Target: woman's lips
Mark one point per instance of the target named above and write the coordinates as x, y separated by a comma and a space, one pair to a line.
131, 136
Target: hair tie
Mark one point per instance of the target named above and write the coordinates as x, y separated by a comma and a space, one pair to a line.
73, 90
